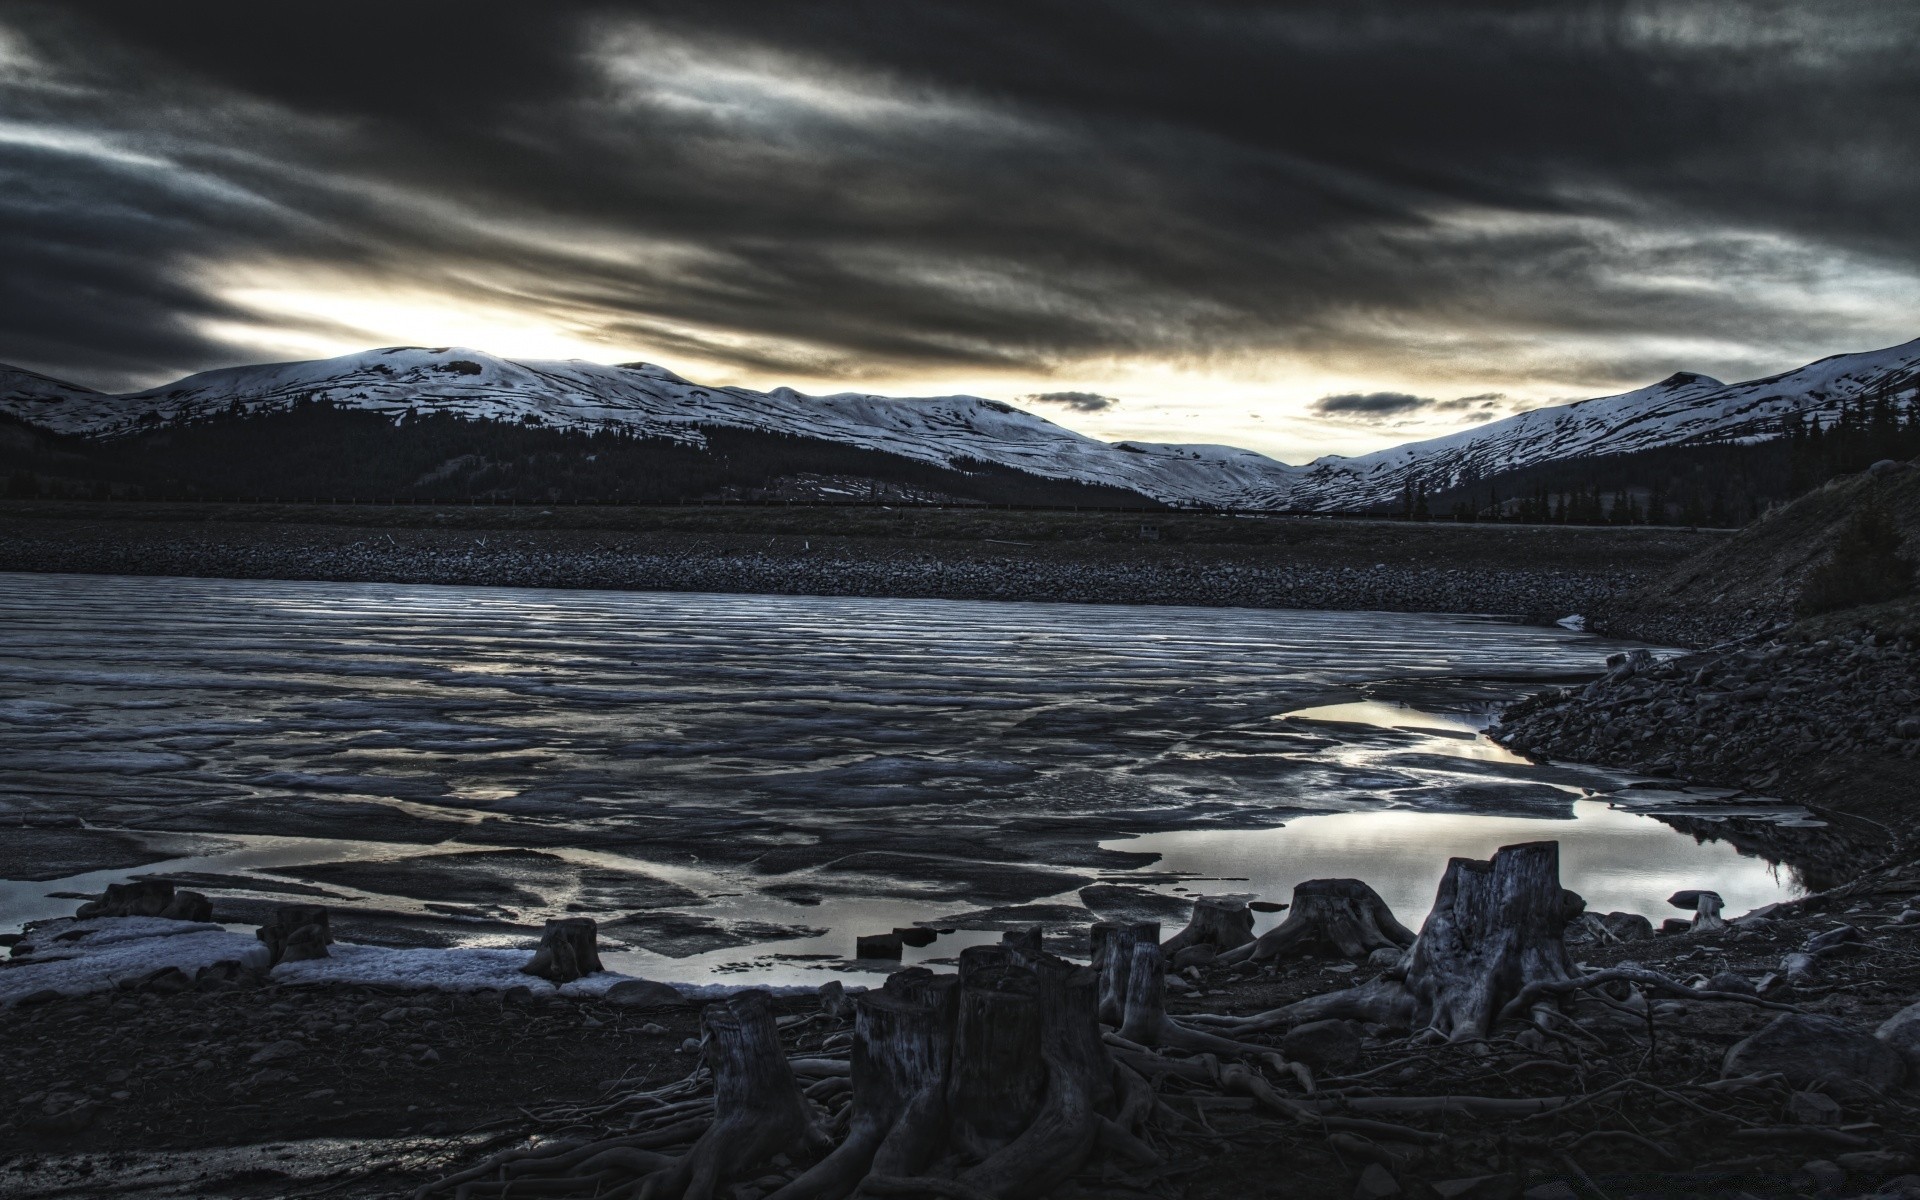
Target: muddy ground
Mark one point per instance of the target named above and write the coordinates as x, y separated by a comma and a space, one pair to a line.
359, 1092
1540, 572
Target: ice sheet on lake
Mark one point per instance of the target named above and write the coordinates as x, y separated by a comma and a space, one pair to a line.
702, 764
97, 955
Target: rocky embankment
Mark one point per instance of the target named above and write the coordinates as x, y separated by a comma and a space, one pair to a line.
1748, 582
1744, 714
1416, 579
1825, 711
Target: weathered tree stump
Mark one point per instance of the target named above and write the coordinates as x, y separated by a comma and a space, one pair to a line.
997, 1076
1343, 915
902, 1056
758, 1109
1146, 1021
569, 949
1223, 922
1496, 927
1060, 1132
993, 1083
1705, 906
295, 933
1113, 945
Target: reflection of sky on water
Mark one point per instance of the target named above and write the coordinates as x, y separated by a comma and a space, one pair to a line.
1616, 860
699, 738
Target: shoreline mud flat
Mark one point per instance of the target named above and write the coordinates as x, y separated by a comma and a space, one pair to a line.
1538, 573
243, 1087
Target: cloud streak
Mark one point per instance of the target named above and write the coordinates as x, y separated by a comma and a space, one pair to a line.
1086, 402
1423, 193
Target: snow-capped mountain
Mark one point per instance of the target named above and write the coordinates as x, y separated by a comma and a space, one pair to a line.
652, 401
1680, 409
46, 401
956, 431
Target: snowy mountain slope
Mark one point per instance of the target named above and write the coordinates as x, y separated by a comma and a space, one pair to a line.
652, 401
953, 431
1681, 409
48, 402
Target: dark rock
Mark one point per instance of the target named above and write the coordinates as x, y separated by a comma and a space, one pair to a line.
275, 1052
915, 936
1901, 1031
1728, 981
1628, 927
1322, 1045
1833, 939
167, 981
1817, 1051
1821, 1175
1874, 1163
644, 993
1813, 1108
1194, 956
188, 906
877, 945
1376, 1183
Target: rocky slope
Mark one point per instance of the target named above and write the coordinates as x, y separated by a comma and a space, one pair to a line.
1749, 581
1826, 710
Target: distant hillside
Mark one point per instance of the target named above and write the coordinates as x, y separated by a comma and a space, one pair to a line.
316, 451
1751, 580
947, 434
1677, 447
1683, 410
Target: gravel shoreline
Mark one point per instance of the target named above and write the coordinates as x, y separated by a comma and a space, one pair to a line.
1824, 720
1092, 573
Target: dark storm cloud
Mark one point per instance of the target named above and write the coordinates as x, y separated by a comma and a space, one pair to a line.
1384, 406
1371, 404
838, 187
1077, 401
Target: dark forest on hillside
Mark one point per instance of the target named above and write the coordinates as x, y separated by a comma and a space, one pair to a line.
1710, 483
316, 451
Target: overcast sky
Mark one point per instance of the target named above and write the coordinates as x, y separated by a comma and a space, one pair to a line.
1298, 227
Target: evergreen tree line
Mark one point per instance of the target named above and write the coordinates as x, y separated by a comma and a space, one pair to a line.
315, 450
1715, 484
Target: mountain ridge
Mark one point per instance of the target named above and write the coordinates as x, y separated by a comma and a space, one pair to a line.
950, 432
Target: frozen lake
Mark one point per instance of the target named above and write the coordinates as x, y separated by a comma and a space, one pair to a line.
736, 786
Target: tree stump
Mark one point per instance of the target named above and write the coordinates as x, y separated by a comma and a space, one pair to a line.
569, 949
1146, 1021
902, 1057
1061, 1130
1222, 922
997, 1076
1706, 909
1496, 927
140, 898
996, 1083
1343, 915
758, 1109
295, 933
1113, 945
